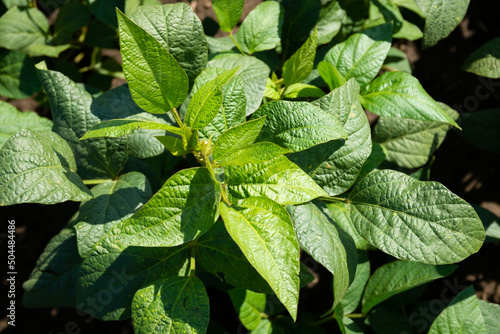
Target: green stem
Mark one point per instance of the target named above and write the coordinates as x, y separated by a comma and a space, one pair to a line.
192, 260
177, 118
236, 43
91, 182
354, 315
334, 199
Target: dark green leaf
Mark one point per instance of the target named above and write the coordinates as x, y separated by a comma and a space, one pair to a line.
397, 60
180, 32
71, 17
271, 248
485, 61
39, 167
18, 77
157, 82
389, 322
228, 13
390, 12
249, 305
490, 222
398, 276
105, 11
301, 90
278, 179
171, 305
300, 64
378, 155
114, 201
414, 220
481, 129
352, 296
182, 210
462, 315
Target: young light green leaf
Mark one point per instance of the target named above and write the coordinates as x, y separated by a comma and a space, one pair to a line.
236, 138
410, 143
327, 244
173, 25
399, 94
72, 16
114, 272
414, 220
18, 77
462, 315
491, 315
207, 101
96, 157
233, 110
171, 305
182, 210
52, 281
329, 73
173, 145
271, 248
249, 305
157, 82
300, 64
114, 201
361, 56
352, 296
335, 165
39, 167
398, 276
485, 61
261, 29
228, 13
253, 73
271, 91
441, 18
122, 127
218, 254
13, 120
255, 153
297, 125
301, 90
278, 179
339, 212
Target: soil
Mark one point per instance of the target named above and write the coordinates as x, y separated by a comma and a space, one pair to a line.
469, 172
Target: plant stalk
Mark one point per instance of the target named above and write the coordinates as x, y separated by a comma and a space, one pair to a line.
92, 182
177, 118
236, 43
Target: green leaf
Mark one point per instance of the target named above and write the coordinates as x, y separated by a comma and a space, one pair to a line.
326, 243
490, 222
272, 91
13, 120
105, 10
340, 212
228, 13
71, 17
441, 18
297, 125
182, 210
462, 315
278, 179
491, 315
352, 296
329, 73
378, 155
174, 145
255, 153
267, 326
173, 25
335, 165
253, 73
485, 61
301, 90
95, 158
11, 3
399, 94
271, 248
410, 143
389, 322
397, 60
398, 276
132, 5
52, 281
39, 167
122, 127
390, 12
261, 29
249, 305
114, 201
361, 56
300, 64
114, 272
233, 110
236, 138
480, 129
330, 21
171, 305
218, 254
18, 77
414, 220
409, 4
207, 101
409, 31
157, 82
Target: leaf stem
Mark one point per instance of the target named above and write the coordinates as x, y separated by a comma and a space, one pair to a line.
91, 182
177, 118
323, 320
334, 199
192, 260
236, 43
354, 315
